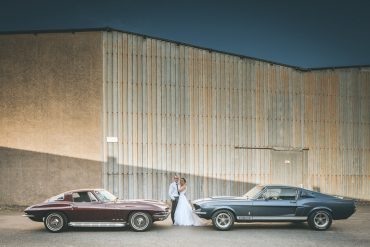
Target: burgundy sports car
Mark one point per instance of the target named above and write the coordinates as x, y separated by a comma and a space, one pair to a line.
96, 208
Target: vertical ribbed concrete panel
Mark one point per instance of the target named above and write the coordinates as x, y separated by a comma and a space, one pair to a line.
227, 123
337, 126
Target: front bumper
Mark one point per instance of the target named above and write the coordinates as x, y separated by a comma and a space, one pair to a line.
33, 217
161, 216
199, 211
28, 215
203, 213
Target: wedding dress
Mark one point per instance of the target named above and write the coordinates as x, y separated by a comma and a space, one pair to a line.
184, 215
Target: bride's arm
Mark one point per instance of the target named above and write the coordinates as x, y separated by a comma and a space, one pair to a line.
182, 188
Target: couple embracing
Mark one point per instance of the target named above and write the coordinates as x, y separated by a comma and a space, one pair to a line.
181, 211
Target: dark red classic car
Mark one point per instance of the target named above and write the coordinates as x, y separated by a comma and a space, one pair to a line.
96, 208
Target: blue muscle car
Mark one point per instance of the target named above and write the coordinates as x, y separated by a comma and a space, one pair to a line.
275, 203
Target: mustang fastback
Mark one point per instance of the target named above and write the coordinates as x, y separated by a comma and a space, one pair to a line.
274, 203
96, 208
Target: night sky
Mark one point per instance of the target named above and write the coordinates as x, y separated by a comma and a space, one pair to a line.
308, 34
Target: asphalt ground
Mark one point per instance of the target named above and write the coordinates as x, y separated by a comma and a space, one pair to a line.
16, 230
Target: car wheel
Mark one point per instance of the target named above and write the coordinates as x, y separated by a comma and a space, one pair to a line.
55, 222
140, 221
223, 220
320, 220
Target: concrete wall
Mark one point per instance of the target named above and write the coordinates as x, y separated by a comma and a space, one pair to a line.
227, 123
50, 114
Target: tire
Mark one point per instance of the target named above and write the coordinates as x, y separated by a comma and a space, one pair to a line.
55, 222
140, 221
320, 220
223, 220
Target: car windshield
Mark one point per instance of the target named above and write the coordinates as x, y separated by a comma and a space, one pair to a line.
59, 197
105, 196
253, 192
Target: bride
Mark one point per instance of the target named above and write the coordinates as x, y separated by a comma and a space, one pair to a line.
184, 215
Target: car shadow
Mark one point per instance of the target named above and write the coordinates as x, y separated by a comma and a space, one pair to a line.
97, 229
272, 226
159, 227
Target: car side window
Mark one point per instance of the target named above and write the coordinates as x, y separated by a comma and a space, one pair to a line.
306, 194
288, 194
81, 197
279, 194
92, 197
271, 194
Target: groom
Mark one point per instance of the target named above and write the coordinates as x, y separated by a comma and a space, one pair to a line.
173, 192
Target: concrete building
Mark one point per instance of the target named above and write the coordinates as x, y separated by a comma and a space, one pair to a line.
112, 109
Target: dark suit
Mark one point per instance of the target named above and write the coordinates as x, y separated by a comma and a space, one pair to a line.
173, 208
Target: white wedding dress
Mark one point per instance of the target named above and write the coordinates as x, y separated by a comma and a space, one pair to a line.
184, 215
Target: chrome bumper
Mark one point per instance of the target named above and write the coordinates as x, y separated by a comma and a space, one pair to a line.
161, 216
28, 215
198, 211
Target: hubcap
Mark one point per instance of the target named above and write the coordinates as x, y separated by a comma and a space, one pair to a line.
321, 220
54, 222
140, 221
223, 220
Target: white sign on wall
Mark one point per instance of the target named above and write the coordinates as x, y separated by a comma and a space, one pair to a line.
112, 139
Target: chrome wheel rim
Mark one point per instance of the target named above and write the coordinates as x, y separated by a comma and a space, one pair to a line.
321, 219
54, 222
223, 220
139, 221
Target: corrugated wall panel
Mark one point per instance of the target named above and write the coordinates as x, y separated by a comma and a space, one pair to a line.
216, 119
334, 133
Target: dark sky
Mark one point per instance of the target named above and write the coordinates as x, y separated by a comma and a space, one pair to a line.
311, 33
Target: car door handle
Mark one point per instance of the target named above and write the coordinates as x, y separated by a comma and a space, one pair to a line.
293, 201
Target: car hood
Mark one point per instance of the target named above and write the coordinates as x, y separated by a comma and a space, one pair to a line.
227, 198
142, 202
219, 198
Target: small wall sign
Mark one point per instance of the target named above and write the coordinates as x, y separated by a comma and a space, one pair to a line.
112, 139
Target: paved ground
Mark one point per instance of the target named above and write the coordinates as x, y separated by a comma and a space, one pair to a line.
16, 230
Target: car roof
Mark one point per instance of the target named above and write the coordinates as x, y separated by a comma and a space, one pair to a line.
82, 190
281, 186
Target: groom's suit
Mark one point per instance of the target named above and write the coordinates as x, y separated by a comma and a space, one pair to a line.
173, 192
